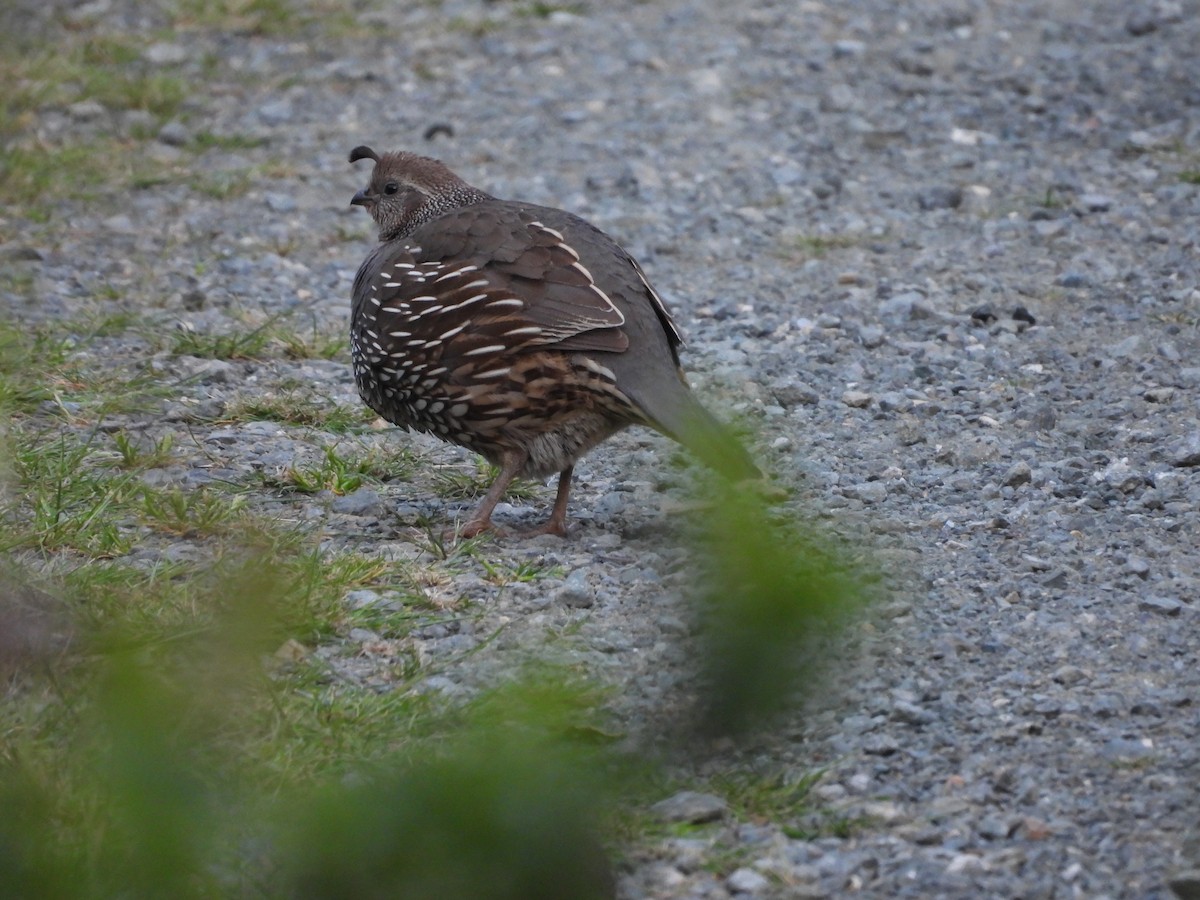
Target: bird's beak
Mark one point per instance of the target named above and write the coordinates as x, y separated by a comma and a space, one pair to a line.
362, 198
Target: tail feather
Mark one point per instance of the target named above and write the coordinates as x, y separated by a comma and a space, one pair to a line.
682, 418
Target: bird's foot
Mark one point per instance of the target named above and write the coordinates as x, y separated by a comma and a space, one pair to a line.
474, 528
554, 526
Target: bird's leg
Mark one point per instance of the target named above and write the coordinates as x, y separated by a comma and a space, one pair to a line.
557, 523
512, 462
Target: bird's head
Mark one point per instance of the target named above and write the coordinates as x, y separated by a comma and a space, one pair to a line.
407, 190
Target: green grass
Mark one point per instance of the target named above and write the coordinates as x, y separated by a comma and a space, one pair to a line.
1050, 200
62, 380
765, 797
759, 794
262, 18
249, 344
277, 336
135, 454
340, 473
22, 387
103, 68
226, 184
203, 141
314, 342
797, 248
32, 177
294, 407
89, 62
99, 68
189, 513
62, 501
541, 10
463, 484
498, 18
521, 572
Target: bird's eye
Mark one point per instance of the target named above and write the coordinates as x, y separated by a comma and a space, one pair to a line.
391, 187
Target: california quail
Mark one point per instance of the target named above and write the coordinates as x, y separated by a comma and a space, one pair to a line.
518, 331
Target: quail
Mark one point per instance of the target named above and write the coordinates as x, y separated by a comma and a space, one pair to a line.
518, 331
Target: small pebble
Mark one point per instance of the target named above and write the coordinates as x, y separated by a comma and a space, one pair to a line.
690, 806
174, 134
1163, 606
1186, 453
940, 197
983, 314
747, 881
1018, 474
362, 502
1141, 22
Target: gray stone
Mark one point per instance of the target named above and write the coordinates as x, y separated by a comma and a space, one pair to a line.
993, 828
880, 744
277, 112
1186, 453
871, 336
1160, 137
747, 881
175, 134
280, 203
840, 98
691, 807
361, 599
1164, 606
1018, 474
362, 502
866, 491
87, 110
1139, 566
162, 53
795, 393
1132, 346
1128, 749
1141, 22
904, 307
576, 592
1095, 202
1069, 675
1072, 280
215, 371
940, 197
911, 713
848, 47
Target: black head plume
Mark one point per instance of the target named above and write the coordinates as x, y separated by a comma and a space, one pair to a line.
363, 152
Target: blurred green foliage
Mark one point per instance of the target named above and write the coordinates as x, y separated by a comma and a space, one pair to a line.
506, 807
771, 601
153, 780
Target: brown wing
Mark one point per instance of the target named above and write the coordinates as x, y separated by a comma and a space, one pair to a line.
513, 279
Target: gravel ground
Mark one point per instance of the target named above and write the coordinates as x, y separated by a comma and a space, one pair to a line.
941, 257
